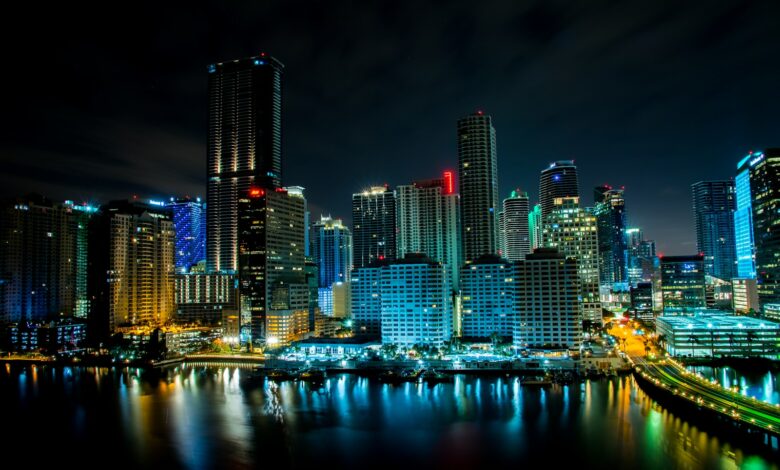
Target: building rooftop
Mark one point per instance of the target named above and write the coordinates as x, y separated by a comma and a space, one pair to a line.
717, 321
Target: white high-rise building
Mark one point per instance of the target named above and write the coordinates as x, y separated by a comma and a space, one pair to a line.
573, 230
487, 298
514, 238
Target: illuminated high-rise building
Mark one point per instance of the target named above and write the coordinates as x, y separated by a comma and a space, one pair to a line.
682, 284
573, 231
745, 247
487, 298
535, 227
514, 238
332, 250
559, 180
366, 292
610, 211
189, 222
373, 226
765, 192
205, 298
244, 146
478, 182
275, 295
427, 220
131, 266
547, 303
42, 259
713, 210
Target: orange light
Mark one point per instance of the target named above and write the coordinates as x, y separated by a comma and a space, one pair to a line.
256, 192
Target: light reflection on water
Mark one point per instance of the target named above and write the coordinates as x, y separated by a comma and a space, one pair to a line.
199, 417
762, 384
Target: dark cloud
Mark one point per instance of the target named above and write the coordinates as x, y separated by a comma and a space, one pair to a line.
651, 95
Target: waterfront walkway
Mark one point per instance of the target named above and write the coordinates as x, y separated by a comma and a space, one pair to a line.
672, 377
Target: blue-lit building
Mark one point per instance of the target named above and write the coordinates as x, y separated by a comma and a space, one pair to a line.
765, 192
682, 284
189, 222
713, 210
610, 211
743, 220
487, 298
367, 300
332, 250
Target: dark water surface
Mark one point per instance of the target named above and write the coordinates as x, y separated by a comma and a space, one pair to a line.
223, 417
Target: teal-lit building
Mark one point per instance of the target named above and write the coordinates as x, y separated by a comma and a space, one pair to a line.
765, 201
743, 220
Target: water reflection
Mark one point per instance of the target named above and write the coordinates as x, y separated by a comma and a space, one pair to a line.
763, 385
226, 417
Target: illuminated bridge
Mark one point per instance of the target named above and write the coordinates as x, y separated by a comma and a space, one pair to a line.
672, 378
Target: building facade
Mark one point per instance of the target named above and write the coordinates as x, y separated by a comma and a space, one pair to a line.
244, 146
427, 215
547, 301
131, 267
42, 259
189, 222
487, 298
272, 273
714, 203
535, 227
373, 226
559, 180
366, 300
478, 182
713, 334
745, 248
332, 250
744, 296
205, 298
514, 236
610, 211
416, 302
765, 193
683, 284
573, 231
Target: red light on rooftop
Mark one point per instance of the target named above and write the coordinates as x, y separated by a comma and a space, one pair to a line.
381, 257
262, 54
449, 185
256, 192
480, 112
280, 190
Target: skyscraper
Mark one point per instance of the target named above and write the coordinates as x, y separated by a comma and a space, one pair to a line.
765, 192
682, 284
478, 181
42, 259
572, 230
373, 226
713, 210
557, 181
427, 220
188, 221
514, 238
535, 227
745, 248
244, 146
131, 266
547, 301
275, 295
332, 250
610, 211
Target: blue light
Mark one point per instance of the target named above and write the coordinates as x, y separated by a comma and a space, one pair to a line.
556, 177
259, 62
212, 68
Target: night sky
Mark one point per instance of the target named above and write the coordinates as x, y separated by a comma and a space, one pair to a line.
653, 96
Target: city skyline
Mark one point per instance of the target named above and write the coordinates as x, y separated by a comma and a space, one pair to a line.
617, 117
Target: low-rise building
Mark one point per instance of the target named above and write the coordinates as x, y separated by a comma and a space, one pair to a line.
714, 334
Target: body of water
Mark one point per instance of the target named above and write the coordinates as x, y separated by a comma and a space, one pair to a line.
226, 418
762, 385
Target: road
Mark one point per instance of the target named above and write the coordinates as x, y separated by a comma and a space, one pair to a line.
672, 376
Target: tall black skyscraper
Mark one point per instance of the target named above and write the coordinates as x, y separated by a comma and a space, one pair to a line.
244, 146
478, 172
558, 180
714, 203
373, 226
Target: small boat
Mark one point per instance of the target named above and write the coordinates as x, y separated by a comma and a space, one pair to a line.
537, 382
408, 375
279, 375
312, 375
433, 377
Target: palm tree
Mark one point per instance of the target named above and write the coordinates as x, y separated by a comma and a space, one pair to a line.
751, 336
693, 339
